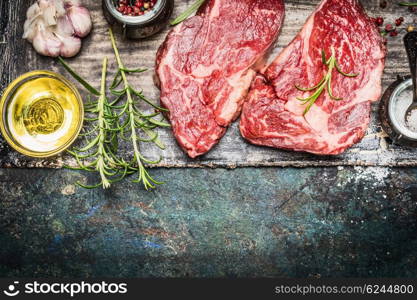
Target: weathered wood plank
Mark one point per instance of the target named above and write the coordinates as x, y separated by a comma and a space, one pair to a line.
17, 57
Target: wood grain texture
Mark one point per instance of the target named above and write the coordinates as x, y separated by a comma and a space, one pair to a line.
18, 57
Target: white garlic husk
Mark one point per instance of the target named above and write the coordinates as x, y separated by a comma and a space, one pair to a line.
60, 8
33, 11
55, 27
29, 31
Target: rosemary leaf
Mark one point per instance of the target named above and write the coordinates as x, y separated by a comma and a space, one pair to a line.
408, 3
323, 57
133, 70
77, 77
325, 83
134, 122
343, 73
117, 118
193, 8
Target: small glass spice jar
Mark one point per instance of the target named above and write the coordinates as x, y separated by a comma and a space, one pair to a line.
134, 26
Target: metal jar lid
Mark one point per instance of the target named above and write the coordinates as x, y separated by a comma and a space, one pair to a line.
137, 27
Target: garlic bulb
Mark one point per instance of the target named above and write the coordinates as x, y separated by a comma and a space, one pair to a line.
55, 27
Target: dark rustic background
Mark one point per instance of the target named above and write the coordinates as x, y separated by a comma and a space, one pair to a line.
246, 222
328, 222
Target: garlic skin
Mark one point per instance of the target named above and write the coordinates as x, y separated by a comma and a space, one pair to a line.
81, 20
72, 2
46, 43
33, 11
64, 26
60, 7
55, 27
70, 46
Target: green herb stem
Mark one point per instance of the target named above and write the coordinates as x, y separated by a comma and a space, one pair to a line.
118, 118
132, 112
193, 8
99, 147
325, 83
84, 83
408, 3
102, 128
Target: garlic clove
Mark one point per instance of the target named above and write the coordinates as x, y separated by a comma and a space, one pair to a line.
64, 27
46, 43
81, 20
70, 46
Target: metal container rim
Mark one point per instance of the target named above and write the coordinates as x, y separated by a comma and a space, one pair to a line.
397, 126
135, 20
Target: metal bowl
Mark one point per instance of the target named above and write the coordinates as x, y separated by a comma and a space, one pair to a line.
395, 101
41, 114
137, 27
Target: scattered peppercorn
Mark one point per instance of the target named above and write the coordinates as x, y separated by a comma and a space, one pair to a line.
135, 7
393, 33
379, 21
399, 21
389, 27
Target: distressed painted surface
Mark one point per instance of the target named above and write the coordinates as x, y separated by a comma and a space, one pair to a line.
329, 222
18, 57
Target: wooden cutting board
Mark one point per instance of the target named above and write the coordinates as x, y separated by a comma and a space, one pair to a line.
18, 57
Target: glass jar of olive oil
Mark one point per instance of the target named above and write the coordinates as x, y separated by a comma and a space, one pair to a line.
41, 114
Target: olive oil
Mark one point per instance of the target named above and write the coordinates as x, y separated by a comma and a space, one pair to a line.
42, 114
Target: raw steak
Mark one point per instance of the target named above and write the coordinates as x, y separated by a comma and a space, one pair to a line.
272, 116
207, 63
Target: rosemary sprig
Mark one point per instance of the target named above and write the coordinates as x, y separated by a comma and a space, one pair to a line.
118, 117
102, 140
193, 8
325, 83
136, 119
